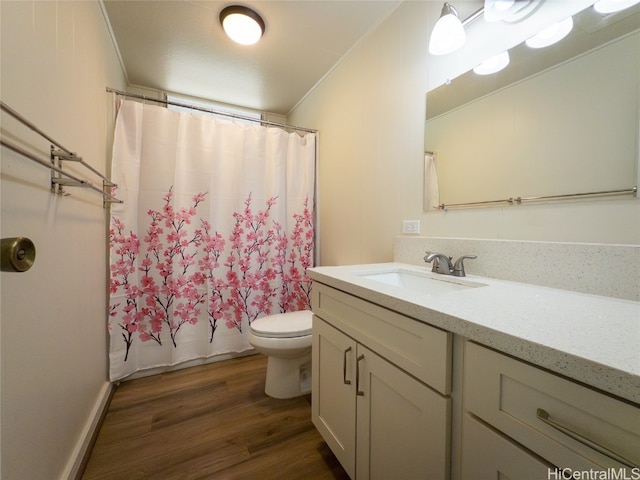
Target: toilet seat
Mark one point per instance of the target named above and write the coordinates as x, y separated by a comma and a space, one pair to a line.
283, 325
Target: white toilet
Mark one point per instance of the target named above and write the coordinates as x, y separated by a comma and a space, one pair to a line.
286, 339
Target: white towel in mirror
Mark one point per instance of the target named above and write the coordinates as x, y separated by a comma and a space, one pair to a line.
431, 194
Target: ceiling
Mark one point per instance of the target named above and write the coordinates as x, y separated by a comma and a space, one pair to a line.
179, 46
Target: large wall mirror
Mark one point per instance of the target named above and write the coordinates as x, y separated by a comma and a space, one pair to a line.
557, 121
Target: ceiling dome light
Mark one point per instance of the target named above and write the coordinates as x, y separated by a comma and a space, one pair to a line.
241, 24
552, 34
493, 64
610, 6
448, 34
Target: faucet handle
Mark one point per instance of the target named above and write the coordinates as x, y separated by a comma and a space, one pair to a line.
458, 268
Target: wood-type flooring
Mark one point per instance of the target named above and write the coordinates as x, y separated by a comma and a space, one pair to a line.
209, 422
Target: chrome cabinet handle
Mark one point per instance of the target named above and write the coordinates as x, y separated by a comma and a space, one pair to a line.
543, 415
358, 391
344, 367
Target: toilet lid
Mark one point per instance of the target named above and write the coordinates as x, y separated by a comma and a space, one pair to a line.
283, 325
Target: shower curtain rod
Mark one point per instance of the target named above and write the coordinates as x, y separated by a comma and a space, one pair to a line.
209, 110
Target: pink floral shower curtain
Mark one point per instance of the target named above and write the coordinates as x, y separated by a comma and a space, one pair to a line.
216, 230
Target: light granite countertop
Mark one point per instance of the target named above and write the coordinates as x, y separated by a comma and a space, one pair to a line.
589, 338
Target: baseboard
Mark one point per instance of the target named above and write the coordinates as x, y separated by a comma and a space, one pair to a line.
80, 458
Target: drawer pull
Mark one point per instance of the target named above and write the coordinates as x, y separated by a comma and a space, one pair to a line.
543, 415
358, 391
344, 367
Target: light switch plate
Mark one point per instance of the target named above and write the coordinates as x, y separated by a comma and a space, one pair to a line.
411, 226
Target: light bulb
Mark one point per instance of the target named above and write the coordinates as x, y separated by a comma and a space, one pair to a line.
448, 33
495, 10
552, 34
493, 64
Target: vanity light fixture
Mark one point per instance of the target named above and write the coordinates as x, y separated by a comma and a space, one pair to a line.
510, 11
496, 10
493, 64
241, 24
610, 6
448, 34
552, 34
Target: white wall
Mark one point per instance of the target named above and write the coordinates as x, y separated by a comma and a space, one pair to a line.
370, 115
370, 112
57, 58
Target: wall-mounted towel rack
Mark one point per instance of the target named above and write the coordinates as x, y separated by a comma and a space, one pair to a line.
520, 200
59, 154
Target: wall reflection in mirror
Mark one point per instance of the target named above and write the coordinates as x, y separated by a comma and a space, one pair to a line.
555, 121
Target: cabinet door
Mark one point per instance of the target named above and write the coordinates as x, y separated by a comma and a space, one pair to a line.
487, 455
333, 394
403, 426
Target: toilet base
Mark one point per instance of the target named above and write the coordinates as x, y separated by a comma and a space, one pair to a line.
288, 377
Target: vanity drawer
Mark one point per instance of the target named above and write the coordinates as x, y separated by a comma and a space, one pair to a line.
417, 348
568, 424
486, 454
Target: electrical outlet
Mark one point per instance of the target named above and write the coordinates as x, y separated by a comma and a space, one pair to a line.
411, 226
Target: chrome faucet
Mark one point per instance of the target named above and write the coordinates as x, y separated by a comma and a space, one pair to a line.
442, 264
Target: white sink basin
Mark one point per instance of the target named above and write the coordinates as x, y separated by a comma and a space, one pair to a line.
421, 282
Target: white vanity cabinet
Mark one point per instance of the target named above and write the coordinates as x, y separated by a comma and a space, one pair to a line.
381, 382
556, 394
547, 422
